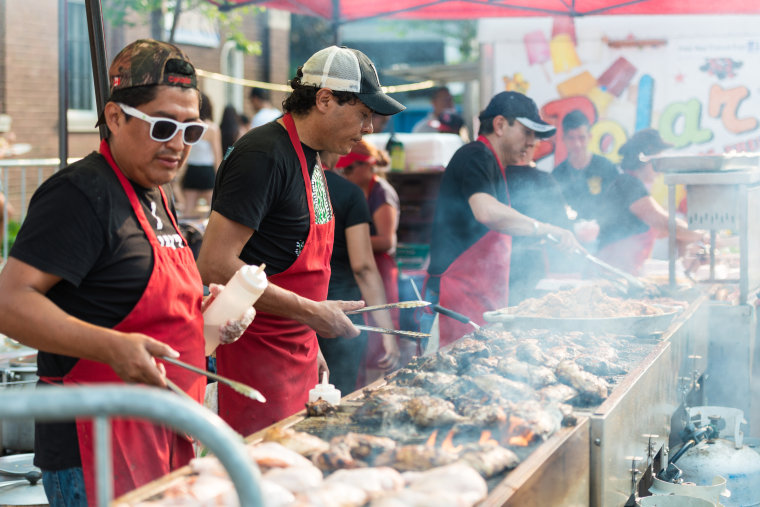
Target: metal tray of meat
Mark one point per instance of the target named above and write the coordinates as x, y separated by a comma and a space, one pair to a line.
639, 325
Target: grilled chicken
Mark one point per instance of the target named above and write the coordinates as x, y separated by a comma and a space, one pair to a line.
558, 393
530, 352
415, 458
363, 446
599, 366
588, 385
336, 457
542, 421
430, 411
535, 376
489, 459
505, 388
320, 408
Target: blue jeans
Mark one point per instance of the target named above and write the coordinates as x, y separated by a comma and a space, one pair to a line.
65, 488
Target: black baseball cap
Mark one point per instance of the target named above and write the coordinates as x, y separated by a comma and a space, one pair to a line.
343, 69
520, 107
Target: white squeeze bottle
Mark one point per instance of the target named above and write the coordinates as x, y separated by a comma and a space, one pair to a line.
326, 391
240, 293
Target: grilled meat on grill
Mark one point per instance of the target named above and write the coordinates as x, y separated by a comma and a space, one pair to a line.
589, 385
558, 393
599, 366
301, 442
430, 411
533, 375
416, 457
363, 446
489, 459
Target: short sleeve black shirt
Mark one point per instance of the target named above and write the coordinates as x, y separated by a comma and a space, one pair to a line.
80, 226
350, 208
583, 188
260, 185
618, 221
473, 169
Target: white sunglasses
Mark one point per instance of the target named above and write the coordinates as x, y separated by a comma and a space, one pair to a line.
163, 129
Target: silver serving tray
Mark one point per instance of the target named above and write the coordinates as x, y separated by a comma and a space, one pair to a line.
17, 464
671, 163
628, 325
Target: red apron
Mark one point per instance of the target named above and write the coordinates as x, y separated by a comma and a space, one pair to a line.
169, 310
477, 280
277, 355
630, 253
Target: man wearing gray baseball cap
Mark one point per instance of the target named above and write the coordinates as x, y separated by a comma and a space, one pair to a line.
474, 222
271, 205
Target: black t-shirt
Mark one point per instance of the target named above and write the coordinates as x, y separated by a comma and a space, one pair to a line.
534, 193
619, 222
583, 188
350, 208
472, 169
260, 185
81, 227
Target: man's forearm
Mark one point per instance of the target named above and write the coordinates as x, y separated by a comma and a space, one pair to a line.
285, 303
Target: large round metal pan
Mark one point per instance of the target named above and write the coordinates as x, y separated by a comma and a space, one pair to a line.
634, 325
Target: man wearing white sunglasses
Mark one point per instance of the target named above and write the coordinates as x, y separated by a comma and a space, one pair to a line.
101, 281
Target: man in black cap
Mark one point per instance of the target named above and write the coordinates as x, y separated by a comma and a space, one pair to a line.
474, 222
271, 205
101, 281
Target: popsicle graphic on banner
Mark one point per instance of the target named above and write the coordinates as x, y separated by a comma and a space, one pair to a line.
562, 46
537, 50
617, 77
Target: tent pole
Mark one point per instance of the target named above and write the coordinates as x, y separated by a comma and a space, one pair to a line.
63, 83
98, 54
336, 22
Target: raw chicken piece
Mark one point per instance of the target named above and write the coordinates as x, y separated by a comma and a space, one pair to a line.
301, 442
272, 454
412, 498
429, 411
208, 465
458, 480
273, 495
295, 479
332, 494
375, 481
590, 386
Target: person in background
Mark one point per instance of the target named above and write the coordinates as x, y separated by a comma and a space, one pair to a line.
199, 171
631, 219
263, 110
360, 167
474, 221
533, 193
442, 101
232, 127
102, 283
583, 176
451, 123
271, 205
379, 122
354, 275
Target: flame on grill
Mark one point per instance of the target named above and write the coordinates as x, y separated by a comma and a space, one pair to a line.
519, 433
485, 439
431, 439
448, 443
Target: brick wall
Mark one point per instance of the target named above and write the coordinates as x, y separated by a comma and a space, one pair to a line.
29, 73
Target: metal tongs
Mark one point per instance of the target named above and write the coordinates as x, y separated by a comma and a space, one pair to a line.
241, 388
631, 280
400, 332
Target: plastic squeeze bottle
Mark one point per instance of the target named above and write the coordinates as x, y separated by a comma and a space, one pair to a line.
240, 293
325, 391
